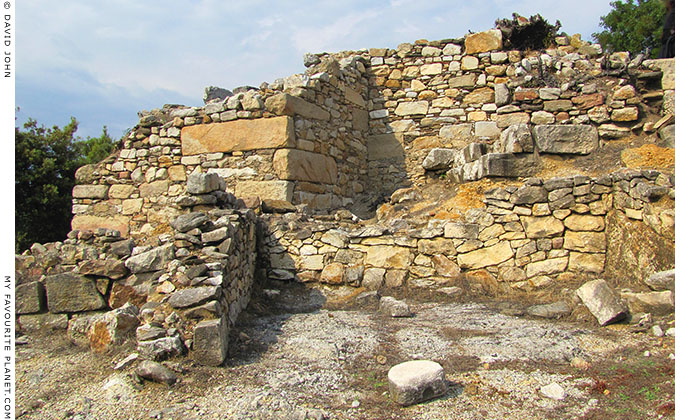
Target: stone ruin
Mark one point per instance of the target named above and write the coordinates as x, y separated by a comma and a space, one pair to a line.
559, 163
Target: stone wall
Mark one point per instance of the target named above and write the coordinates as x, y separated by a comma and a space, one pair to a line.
166, 235
186, 290
301, 140
526, 237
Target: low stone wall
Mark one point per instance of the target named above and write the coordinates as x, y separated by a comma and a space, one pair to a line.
186, 290
525, 237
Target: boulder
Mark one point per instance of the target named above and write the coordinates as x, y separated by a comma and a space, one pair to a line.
416, 381
156, 372
663, 280
657, 303
602, 302
394, 308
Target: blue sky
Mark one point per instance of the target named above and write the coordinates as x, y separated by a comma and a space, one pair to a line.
101, 62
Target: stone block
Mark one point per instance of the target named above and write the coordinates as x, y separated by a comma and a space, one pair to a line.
30, 298
485, 257
121, 191
239, 135
272, 190
184, 298
566, 139
43, 322
580, 222
71, 292
515, 139
285, 104
113, 269
153, 260
300, 165
392, 307
484, 41
483, 95
602, 302
439, 159
88, 222
546, 267
412, 108
154, 189
465, 81
385, 256
210, 342
541, 226
90, 191
585, 241
586, 263
416, 381
204, 183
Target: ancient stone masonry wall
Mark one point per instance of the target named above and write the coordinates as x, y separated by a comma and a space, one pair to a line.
467, 92
186, 290
301, 140
525, 238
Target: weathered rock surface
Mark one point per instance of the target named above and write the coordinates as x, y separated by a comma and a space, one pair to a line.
663, 280
394, 308
153, 260
238, 135
156, 372
71, 292
569, 139
602, 302
30, 298
416, 381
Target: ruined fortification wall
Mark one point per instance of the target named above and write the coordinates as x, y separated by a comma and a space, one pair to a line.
174, 229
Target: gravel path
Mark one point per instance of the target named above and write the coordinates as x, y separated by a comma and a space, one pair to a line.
333, 364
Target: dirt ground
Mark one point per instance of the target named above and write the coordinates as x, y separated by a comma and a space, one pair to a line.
297, 356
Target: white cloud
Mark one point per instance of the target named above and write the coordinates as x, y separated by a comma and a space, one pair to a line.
318, 39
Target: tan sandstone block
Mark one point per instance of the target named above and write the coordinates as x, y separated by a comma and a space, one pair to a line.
300, 165
238, 135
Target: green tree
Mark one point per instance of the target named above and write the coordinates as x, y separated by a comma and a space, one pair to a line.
45, 162
632, 26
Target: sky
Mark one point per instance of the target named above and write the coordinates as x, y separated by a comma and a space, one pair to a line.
102, 62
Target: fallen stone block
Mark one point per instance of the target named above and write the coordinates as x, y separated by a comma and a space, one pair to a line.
551, 310
663, 280
602, 302
416, 381
657, 303
156, 372
394, 308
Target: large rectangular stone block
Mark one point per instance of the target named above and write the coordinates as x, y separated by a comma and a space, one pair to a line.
300, 165
272, 190
485, 257
30, 298
210, 342
71, 292
87, 222
90, 191
284, 104
239, 135
566, 139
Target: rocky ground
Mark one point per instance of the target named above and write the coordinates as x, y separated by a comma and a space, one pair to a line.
303, 355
